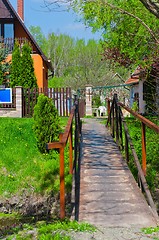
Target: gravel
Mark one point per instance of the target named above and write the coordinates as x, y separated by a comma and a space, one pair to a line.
114, 234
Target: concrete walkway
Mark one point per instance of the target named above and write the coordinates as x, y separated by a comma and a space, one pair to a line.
109, 195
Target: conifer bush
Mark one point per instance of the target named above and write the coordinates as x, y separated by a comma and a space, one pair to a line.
46, 122
27, 76
22, 69
15, 67
4, 67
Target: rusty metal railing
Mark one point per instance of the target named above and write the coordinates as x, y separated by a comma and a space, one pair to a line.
117, 124
64, 138
8, 43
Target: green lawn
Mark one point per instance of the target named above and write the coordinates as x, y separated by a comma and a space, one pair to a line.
22, 166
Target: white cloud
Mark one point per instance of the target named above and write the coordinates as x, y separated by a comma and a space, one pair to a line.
76, 26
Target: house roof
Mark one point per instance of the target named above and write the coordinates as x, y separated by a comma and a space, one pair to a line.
135, 77
15, 14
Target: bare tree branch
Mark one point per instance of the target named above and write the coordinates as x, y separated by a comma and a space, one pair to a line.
152, 6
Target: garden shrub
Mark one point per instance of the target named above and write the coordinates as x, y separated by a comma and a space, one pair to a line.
22, 68
46, 122
4, 67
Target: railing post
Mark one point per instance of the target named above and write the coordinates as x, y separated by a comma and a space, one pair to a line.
126, 148
76, 157
108, 107
62, 181
70, 152
143, 148
116, 118
112, 124
120, 128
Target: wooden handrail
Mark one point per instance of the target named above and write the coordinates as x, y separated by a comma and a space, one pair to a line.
116, 119
141, 118
64, 138
63, 141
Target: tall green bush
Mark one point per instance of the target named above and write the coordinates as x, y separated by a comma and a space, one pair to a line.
22, 71
15, 67
1, 75
46, 122
27, 75
4, 67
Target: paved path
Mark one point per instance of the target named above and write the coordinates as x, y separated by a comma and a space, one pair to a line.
109, 195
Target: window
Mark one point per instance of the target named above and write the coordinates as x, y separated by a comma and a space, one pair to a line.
7, 30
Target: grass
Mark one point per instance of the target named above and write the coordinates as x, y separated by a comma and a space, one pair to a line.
59, 230
22, 166
152, 231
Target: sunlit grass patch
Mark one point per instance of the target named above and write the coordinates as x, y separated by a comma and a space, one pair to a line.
21, 163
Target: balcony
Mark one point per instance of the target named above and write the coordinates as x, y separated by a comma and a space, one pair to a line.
8, 43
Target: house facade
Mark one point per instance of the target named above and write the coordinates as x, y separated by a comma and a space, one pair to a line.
137, 90
12, 28
144, 89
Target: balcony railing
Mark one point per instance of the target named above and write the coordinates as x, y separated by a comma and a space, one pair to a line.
8, 43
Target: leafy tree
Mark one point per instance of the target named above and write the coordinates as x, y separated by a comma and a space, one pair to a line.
39, 37
130, 32
127, 29
77, 63
59, 52
86, 66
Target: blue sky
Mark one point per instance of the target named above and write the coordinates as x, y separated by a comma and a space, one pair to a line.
57, 22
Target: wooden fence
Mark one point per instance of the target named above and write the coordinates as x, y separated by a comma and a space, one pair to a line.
62, 99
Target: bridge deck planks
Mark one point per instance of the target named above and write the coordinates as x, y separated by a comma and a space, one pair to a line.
109, 195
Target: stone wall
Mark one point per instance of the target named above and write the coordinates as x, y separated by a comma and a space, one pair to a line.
14, 112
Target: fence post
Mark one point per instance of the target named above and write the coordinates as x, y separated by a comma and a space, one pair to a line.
19, 101
62, 181
143, 148
88, 101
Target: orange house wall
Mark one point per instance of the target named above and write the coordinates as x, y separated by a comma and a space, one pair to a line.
39, 71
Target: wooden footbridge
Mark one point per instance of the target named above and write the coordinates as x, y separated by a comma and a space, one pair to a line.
109, 195
105, 192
